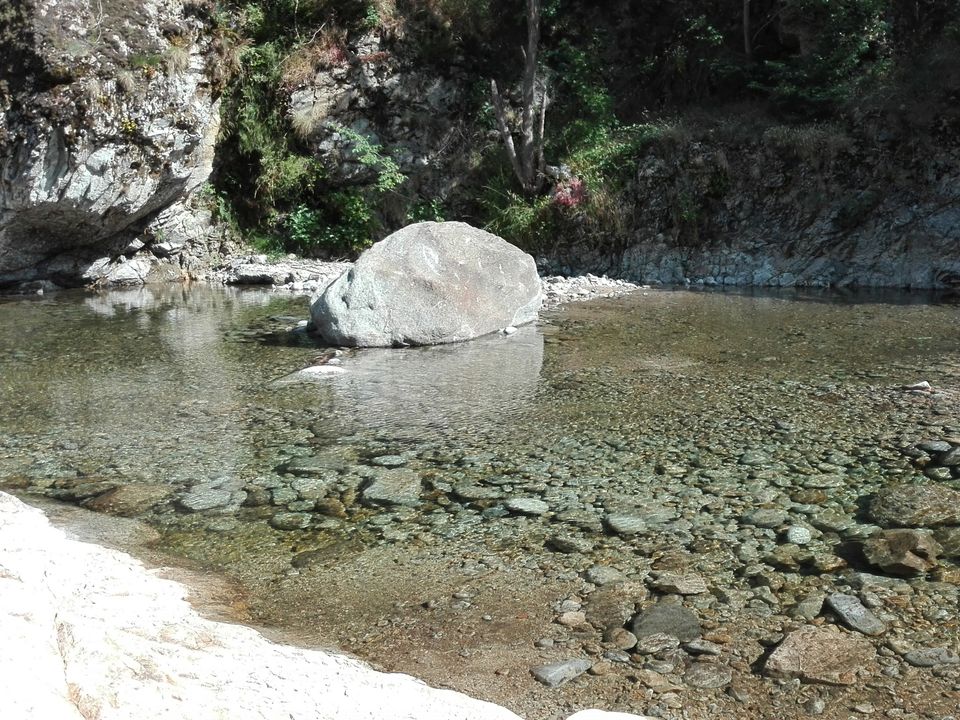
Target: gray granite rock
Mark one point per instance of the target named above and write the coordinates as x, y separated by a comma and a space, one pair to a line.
854, 615
527, 506
213, 495
669, 619
932, 657
625, 524
393, 487
604, 575
679, 583
926, 505
820, 655
708, 675
557, 674
427, 284
766, 517
290, 520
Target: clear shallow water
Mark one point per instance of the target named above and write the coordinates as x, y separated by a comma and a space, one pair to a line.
179, 386
685, 410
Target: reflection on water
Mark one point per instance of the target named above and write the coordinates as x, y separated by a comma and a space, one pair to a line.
449, 388
177, 385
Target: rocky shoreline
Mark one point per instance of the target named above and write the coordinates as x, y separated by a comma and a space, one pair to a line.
311, 277
301, 276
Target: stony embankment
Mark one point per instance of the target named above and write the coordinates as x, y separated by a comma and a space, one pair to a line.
310, 277
786, 206
89, 632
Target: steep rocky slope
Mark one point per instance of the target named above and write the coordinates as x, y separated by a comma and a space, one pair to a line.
807, 205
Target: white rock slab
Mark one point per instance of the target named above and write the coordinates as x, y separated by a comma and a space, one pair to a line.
90, 633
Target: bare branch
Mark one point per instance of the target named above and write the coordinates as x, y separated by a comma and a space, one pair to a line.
505, 135
539, 141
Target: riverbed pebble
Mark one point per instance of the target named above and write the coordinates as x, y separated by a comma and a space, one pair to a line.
556, 674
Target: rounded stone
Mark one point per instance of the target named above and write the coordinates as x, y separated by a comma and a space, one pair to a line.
707, 675
389, 461
527, 506
766, 518
798, 535
624, 524
290, 520
669, 619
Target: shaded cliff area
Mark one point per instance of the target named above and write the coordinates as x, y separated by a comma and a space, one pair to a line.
767, 142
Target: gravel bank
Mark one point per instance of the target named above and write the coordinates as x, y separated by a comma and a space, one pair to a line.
310, 277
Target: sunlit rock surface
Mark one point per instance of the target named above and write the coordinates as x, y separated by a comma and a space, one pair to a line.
428, 284
88, 632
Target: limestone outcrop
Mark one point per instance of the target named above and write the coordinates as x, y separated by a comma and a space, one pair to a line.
427, 284
107, 125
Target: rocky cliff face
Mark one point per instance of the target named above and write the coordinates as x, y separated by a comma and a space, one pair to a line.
107, 125
794, 206
418, 115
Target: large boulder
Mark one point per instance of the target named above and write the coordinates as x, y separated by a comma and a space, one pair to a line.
427, 284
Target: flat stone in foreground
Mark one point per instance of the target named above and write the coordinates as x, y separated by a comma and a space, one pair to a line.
393, 487
427, 284
821, 655
854, 615
557, 674
667, 619
932, 657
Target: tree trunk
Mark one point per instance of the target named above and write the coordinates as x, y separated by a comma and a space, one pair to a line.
527, 161
747, 43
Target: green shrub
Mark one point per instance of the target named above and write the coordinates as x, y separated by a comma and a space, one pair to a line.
426, 210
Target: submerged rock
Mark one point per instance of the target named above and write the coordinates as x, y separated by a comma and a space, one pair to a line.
854, 615
706, 675
667, 619
393, 487
213, 495
130, 500
427, 284
902, 552
527, 506
932, 657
